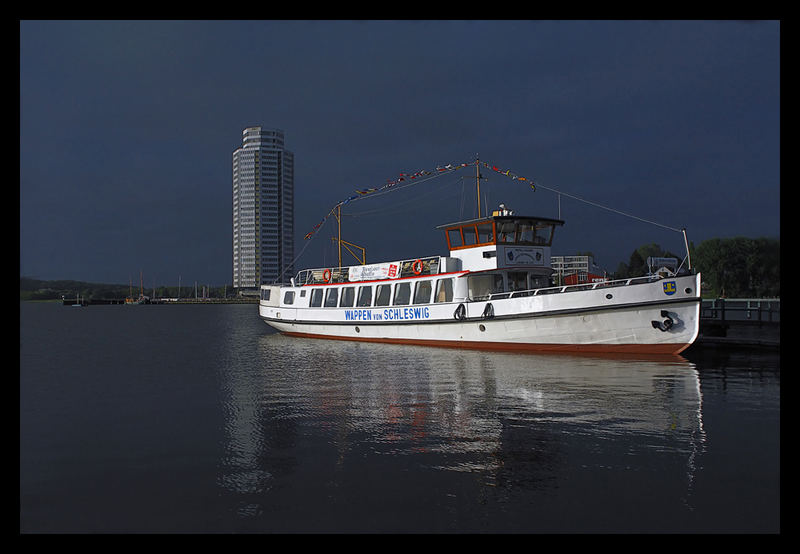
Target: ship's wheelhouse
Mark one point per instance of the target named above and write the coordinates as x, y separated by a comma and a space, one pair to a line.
500, 230
501, 241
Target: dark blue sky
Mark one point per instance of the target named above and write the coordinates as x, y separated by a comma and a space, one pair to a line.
127, 130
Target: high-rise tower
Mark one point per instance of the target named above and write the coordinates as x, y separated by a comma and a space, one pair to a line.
263, 210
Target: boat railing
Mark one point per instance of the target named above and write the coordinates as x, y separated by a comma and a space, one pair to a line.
570, 288
754, 310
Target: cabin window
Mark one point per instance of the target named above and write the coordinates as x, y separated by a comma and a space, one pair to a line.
383, 295
539, 281
364, 296
485, 233
316, 298
444, 290
331, 297
517, 280
402, 294
497, 283
454, 237
470, 235
288, 298
422, 292
481, 286
265, 294
348, 297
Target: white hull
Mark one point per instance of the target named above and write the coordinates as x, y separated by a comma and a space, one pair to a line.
603, 317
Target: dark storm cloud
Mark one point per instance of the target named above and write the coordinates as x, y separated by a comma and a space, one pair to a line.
127, 130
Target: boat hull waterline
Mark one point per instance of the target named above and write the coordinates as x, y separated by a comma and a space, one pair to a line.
659, 316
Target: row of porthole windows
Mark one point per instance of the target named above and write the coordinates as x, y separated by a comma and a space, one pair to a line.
383, 295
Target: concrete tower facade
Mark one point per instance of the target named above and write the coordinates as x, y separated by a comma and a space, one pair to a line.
263, 210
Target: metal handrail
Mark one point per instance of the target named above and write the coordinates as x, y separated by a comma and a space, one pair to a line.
339, 276
766, 310
566, 288
574, 288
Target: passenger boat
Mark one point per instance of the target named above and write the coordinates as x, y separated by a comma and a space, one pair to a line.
494, 290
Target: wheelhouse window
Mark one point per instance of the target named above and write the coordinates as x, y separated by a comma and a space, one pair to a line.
383, 295
473, 234
543, 234
470, 235
364, 296
506, 231
525, 231
422, 292
348, 297
454, 238
485, 233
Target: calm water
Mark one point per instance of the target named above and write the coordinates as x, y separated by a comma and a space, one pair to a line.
152, 419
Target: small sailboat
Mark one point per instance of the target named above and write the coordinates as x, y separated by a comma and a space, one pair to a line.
130, 300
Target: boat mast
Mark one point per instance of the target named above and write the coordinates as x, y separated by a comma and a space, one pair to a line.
478, 182
362, 259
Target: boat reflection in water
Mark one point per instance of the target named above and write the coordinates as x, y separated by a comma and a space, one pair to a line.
316, 417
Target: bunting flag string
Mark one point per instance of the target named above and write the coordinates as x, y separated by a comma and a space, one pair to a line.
405, 178
508, 173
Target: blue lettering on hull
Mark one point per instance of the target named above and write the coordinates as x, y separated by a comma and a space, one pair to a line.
394, 314
389, 314
358, 315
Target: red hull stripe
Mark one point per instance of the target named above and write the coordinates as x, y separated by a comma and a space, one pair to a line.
663, 348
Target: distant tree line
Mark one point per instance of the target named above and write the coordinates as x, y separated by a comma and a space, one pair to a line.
737, 267
637, 264
38, 289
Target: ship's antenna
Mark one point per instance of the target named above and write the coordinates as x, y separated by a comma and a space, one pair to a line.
478, 182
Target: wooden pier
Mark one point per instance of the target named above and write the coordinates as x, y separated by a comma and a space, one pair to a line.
745, 322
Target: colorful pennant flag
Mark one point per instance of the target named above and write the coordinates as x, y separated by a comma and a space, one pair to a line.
360, 193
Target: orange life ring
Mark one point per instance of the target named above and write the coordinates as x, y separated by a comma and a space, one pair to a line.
326, 275
417, 267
